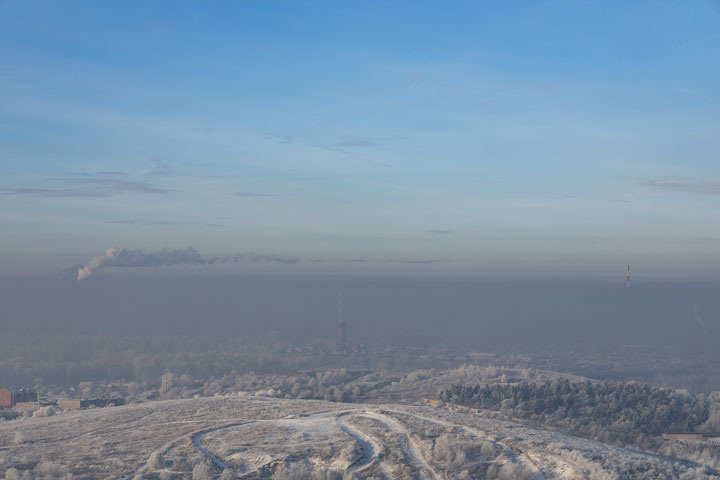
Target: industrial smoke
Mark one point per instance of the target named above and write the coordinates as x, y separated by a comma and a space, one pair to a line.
116, 257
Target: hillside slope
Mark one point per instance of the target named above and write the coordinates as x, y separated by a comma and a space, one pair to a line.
258, 437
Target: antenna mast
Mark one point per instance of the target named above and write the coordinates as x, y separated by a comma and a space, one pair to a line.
340, 305
340, 324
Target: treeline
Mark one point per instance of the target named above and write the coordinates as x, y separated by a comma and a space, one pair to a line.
616, 412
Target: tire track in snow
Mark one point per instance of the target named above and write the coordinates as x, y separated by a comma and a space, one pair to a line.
412, 448
370, 447
367, 444
198, 436
512, 451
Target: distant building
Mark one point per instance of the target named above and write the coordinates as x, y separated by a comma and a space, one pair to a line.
11, 396
76, 403
25, 405
69, 403
5, 398
481, 356
682, 436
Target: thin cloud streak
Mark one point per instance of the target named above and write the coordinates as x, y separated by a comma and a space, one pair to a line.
355, 141
162, 223
711, 188
279, 138
162, 169
332, 149
253, 194
110, 186
53, 193
143, 222
273, 258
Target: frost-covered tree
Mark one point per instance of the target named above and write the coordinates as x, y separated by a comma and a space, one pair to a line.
167, 382
295, 471
201, 471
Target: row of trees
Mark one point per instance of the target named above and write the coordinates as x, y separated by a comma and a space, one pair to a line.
615, 412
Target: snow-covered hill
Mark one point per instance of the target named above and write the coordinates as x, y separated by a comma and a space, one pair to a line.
257, 437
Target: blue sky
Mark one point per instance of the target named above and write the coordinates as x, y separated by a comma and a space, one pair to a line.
521, 138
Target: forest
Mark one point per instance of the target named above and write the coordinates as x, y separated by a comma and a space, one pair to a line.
623, 413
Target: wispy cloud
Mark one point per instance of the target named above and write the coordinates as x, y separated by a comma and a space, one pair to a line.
355, 141
161, 223
254, 257
253, 194
53, 193
105, 186
343, 151
278, 138
556, 195
272, 258
333, 149
141, 222
421, 262
161, 169
672, 185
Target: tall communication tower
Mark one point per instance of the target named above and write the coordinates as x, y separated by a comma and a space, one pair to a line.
341, 324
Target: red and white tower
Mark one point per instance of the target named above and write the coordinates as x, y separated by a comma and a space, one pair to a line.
627, 278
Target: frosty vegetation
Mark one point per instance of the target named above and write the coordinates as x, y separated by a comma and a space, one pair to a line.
617, 413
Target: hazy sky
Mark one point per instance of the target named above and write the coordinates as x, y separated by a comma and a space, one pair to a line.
519, 137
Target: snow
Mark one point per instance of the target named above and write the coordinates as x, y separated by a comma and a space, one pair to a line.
252, 436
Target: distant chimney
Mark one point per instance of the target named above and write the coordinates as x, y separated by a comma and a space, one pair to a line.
627, 277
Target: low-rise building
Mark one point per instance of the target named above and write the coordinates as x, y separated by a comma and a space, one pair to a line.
76, 403
5, 398
682, 436
69, 403
25, 405
9, 397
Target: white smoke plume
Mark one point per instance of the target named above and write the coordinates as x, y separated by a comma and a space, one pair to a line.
115, 257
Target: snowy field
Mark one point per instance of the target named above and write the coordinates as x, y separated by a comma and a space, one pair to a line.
258, 437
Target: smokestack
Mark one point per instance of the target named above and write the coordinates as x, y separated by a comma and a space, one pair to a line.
627, 278
340, 324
